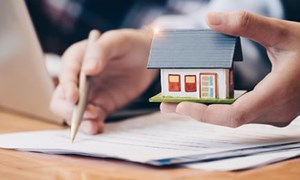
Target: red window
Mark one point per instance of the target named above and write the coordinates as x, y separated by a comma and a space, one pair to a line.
174, 82
190, 83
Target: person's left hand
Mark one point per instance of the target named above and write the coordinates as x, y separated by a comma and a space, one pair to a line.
276, 99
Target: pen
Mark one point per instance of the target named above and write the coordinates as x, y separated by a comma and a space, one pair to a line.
84, 86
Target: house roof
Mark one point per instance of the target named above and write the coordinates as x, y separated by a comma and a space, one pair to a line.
193, 49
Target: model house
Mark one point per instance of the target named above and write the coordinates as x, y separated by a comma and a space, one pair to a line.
195, 64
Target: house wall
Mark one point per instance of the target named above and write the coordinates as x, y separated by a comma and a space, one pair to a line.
222, 80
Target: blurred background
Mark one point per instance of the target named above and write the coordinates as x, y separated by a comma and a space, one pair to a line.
60, 23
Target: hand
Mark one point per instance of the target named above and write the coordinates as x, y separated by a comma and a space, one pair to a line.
117, 64
276, 99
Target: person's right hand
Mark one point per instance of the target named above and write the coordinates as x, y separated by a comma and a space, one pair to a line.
117, 64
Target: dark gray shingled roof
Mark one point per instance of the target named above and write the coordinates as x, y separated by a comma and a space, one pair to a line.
190, 49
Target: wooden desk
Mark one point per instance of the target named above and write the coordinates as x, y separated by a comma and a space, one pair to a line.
24, 165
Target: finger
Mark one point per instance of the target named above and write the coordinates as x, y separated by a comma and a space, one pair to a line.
59, 105
91, 112
212, 114
266, 31
110, 45
72, 59
92, 126
194, 110
102, 51
168, 107
247, 109
64, 108
89, 127
95, 123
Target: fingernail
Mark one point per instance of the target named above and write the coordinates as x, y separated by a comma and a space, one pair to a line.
214, 19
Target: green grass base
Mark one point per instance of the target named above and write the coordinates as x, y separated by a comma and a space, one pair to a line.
159, 98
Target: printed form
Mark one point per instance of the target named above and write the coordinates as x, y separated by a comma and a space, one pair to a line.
167, 139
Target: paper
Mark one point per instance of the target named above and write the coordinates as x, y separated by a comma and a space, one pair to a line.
160, 139
246, 162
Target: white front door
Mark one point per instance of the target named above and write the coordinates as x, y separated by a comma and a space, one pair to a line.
208, 85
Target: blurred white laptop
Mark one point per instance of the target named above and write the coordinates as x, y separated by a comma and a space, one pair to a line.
25, 85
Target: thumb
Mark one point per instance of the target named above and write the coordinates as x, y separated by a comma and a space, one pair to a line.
268, 32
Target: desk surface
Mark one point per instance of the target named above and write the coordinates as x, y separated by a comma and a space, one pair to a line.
25, 165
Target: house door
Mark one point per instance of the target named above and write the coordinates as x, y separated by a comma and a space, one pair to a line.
208, 85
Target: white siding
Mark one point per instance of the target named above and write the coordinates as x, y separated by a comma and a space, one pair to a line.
182, 72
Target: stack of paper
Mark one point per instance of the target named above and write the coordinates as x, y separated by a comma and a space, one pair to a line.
161, 139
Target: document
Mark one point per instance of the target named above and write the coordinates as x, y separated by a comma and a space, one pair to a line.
245, 162
163, 139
